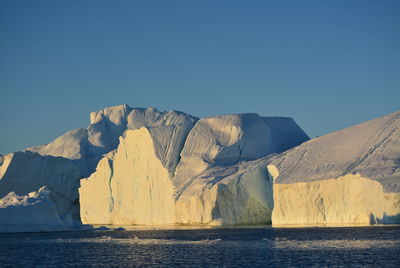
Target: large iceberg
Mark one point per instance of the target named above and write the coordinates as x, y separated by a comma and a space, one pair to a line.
176, 174
351, 176
142, 166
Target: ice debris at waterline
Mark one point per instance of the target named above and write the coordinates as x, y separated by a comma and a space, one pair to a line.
141, 166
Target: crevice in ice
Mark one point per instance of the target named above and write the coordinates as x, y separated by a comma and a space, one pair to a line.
180, 148
373, 144
388, 219
111, 165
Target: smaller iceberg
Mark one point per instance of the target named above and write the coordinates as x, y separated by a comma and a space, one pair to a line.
34, 212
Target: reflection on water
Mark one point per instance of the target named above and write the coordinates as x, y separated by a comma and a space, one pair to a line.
277, 243
334, 244
135, 240
213, 247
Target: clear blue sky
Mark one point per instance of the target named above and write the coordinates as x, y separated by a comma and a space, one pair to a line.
327, 64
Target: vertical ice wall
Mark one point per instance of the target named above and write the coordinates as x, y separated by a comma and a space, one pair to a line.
351, 176
135, 183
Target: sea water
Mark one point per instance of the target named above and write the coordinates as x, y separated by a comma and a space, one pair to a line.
213, 247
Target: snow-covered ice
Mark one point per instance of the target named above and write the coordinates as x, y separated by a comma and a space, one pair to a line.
349, 176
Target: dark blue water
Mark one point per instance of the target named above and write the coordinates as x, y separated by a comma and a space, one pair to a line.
240, 247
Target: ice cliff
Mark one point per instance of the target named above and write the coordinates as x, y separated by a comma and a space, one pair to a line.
134, 182
151, 179
351, 176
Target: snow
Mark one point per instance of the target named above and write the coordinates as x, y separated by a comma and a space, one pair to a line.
351, 176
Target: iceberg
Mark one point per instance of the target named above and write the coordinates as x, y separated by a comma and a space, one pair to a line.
35, 212
26, 172
140, 166
347, 177
189, 174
